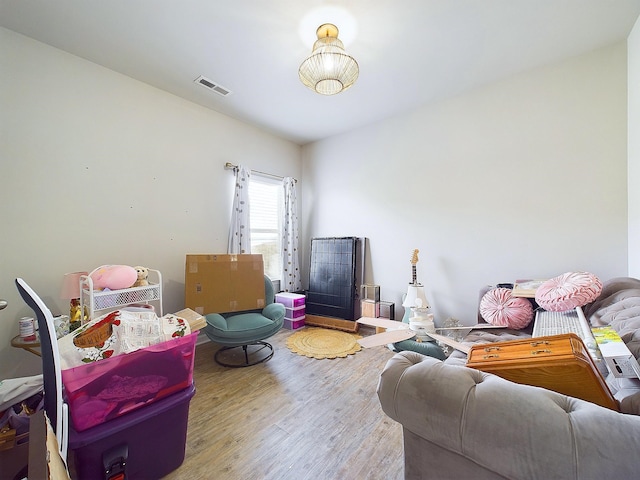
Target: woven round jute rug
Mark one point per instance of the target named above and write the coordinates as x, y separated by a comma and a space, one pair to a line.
323, 343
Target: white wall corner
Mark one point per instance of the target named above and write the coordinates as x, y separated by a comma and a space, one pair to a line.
633, 148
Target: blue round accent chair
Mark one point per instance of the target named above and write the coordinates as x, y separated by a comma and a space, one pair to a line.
246, 329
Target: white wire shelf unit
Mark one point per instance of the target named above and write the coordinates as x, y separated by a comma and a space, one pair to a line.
99, 300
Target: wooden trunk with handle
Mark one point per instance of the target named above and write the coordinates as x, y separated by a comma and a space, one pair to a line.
560, 363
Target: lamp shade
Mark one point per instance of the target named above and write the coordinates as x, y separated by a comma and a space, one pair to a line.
415, 297
329, 69
71, 285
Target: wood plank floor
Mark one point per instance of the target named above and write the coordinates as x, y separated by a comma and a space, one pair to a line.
292, 417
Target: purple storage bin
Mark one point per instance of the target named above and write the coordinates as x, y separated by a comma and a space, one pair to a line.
294, 313
290, 300
290, 324
147, 443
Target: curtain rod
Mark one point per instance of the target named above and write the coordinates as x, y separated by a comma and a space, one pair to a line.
231, 166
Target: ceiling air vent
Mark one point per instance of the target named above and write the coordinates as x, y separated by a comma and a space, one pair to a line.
219, 89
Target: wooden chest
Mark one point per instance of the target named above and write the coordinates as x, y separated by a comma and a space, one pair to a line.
560, 363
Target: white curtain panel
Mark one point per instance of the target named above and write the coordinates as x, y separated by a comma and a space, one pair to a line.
240, 230
291, 281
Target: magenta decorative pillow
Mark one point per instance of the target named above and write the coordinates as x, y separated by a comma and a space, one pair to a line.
568, 291
500, 307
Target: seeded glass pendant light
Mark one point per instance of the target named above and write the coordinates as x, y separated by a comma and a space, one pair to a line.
329, 69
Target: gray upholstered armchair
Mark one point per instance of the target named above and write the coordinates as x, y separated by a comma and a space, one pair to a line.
246, 329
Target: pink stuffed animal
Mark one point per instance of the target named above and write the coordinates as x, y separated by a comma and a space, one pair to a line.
113, 277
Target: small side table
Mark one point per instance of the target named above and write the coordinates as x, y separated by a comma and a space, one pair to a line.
30, 346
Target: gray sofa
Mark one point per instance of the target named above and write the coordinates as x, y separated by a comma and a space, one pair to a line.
460, 423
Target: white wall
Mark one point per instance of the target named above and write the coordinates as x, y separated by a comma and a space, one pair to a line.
480, 182
633, 61
98, 168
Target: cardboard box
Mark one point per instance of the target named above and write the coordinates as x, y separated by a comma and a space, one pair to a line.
194, 319
617, 356
370, 308
224, 283
44, 453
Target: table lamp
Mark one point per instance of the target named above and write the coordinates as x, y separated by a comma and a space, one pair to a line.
415, 298
71, 291
415, 292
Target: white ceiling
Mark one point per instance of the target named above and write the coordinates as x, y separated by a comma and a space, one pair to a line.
410, 52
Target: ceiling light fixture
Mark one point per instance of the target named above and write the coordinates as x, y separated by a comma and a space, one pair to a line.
329, 69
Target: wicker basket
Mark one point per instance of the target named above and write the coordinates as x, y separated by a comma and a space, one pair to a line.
94, 336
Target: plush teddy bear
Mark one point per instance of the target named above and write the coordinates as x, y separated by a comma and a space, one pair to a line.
143, 273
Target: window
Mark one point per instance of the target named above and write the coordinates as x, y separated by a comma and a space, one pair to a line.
267, 202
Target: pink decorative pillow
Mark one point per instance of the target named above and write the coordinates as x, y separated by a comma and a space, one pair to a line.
500, 307
113, 277
568, 291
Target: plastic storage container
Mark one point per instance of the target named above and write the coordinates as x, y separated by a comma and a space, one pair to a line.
294, 313
290, 300
147, 443
101, 391
293, 324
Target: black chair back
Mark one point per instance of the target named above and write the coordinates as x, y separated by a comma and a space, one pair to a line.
50, 365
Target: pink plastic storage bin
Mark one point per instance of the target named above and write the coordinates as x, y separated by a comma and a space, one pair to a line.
100, 391
293, 324
294, 313
290, 300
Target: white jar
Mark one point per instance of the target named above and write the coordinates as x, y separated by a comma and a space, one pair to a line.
27, 329
61, 324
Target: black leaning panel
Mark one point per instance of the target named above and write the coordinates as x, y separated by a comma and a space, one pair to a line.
332, 277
